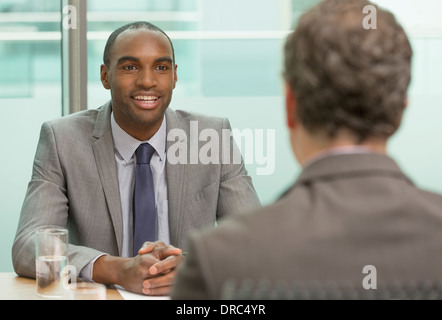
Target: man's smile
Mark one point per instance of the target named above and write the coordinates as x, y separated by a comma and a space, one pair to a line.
146, 102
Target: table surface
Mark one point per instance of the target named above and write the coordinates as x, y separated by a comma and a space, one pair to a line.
13, 287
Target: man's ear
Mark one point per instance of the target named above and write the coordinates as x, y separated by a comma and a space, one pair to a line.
104, 75
290, 106
175, 76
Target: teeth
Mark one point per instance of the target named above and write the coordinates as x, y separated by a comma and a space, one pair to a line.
146, 98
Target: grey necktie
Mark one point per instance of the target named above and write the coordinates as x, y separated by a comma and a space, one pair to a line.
145, 215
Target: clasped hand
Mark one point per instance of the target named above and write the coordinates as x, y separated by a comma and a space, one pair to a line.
154, 269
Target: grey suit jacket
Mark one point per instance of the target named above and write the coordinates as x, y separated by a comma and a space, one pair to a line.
343, 213
74, 184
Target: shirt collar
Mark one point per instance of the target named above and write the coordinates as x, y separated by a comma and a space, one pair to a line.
126, 145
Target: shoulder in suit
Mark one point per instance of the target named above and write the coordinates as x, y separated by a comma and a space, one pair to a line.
343, 213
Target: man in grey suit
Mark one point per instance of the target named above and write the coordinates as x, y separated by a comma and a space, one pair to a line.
352, 219
84, 172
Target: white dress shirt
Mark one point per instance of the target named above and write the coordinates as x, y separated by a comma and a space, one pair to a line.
125, 147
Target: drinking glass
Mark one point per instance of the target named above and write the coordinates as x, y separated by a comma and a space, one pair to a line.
51, 257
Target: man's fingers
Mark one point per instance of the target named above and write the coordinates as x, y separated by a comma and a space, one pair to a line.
164, 252
150, 246
160, 285
164, 266
160, 251
162, 291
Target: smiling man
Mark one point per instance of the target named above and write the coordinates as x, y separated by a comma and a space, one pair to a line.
141, 74
92, 175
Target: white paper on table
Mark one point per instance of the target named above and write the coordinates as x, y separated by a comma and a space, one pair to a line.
135, 296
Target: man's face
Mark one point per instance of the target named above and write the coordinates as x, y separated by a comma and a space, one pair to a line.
141, 77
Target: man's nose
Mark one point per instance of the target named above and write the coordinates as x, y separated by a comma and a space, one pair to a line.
146, 79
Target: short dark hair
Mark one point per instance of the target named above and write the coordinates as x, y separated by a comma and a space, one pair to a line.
134, 25
346, 76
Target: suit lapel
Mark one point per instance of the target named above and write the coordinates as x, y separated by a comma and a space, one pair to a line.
103, 149
176, 186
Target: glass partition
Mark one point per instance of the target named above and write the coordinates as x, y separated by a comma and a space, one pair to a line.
30, 93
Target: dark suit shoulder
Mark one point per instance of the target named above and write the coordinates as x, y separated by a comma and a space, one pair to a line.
425, 202
431, 196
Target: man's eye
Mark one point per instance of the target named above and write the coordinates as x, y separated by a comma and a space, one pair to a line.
162, 68
129, 67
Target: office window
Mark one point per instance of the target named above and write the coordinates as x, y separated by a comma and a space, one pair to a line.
223, 48
30, 93
30, 56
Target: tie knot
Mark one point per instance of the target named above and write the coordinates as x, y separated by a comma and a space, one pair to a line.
144, 153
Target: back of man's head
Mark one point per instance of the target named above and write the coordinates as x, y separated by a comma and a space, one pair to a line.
346, 76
